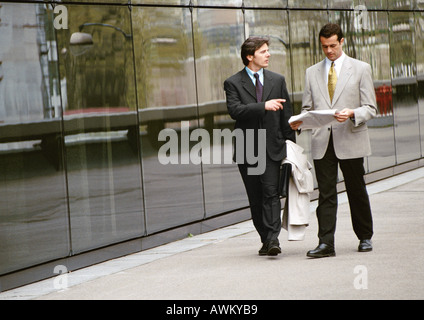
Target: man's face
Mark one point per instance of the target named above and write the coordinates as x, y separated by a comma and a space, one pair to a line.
260, 59
332, 47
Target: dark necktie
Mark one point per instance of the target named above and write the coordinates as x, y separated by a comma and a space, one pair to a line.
259, 88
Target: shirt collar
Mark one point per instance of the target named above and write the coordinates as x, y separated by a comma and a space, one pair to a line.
338, 62
251, 75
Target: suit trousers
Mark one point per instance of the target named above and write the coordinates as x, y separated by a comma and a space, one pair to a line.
264, 200
326, 170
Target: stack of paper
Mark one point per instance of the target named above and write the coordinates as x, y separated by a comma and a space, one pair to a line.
315, 118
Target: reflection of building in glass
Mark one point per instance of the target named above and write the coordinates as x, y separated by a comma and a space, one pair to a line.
21, 98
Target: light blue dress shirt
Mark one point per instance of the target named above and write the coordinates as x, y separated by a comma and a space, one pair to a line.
252, 77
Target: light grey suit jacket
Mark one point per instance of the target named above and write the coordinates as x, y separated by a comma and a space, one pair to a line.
354, 90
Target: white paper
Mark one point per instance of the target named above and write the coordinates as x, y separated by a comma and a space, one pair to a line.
315, 118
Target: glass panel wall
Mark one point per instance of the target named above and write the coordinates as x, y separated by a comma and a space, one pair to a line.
265, 3
168, 113
401, 4
367, 39
307, 4
358, 5
419, 45
305, 51
100, 126
33, 208
218, 3
161, 2
376, 51
218, 36
305, 47
405, 88
96, 1
273, 24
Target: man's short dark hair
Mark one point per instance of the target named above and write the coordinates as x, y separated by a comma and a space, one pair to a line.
331, 29
250, 46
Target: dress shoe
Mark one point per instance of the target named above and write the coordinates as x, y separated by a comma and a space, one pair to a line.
273, 248
365, 245
323, 250
264, 250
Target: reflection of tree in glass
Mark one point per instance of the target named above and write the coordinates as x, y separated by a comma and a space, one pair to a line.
101, 77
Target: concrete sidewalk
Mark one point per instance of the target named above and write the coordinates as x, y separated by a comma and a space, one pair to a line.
224, 264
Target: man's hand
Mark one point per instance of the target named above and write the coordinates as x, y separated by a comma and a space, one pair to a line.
343, 115
274, 105
295, 125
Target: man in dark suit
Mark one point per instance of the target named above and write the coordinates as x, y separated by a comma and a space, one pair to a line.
255, 99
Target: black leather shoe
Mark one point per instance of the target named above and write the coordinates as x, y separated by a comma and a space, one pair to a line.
365, 245
264, 250
273, 248
323, 250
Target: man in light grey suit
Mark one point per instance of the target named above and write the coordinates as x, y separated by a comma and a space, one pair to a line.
345, 84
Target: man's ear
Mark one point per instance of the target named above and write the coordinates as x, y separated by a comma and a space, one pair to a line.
249, 57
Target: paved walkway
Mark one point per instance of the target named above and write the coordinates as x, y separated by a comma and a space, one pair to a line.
224, 264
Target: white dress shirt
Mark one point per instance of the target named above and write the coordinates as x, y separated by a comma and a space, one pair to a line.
337, 65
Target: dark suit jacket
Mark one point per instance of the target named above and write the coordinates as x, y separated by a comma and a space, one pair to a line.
250, 114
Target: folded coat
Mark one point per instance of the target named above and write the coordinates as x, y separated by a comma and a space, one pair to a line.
297, 209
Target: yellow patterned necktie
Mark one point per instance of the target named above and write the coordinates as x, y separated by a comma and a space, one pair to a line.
332, 80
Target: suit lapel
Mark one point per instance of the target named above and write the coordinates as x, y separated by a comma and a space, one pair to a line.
250, 87
345, 74
268, 85
247, 83
322, 82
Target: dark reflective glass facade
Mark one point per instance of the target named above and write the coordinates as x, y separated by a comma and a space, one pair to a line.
87, 88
